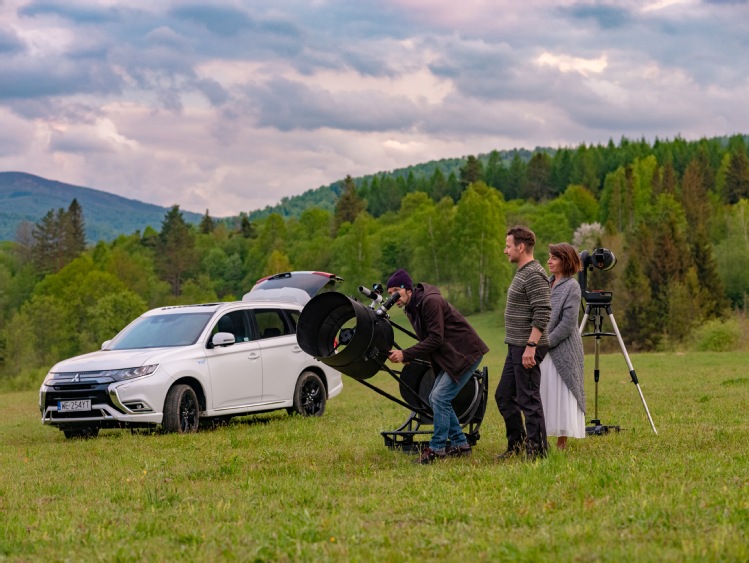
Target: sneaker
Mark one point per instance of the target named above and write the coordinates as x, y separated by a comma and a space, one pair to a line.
459, 451
428, 455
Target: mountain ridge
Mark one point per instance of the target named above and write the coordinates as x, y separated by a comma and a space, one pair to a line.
27, 197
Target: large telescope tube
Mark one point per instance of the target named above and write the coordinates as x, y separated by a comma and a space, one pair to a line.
344, 334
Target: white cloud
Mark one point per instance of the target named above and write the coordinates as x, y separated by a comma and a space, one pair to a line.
566, 63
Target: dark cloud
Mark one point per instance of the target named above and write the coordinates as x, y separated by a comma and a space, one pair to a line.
9, 42
77, 143
49, 77
605, 16
88, 15
220, 21
287, 105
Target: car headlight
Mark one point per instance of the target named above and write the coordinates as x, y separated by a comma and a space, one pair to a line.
129, 373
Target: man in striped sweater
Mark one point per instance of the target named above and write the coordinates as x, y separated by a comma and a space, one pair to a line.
526, 316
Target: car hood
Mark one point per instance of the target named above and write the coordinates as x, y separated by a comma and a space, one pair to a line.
114, 359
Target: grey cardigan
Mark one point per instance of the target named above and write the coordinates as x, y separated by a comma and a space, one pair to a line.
565, 343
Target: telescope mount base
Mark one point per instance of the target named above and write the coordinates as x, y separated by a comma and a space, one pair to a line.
598, 429
406, 437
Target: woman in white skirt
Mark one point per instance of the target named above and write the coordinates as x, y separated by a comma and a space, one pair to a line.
562, 385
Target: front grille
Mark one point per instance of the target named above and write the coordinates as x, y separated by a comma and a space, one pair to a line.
96, 392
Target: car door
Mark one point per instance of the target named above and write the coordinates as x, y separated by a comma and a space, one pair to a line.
283, 359
236, 370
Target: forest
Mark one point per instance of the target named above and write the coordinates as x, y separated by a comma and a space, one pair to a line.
674, 212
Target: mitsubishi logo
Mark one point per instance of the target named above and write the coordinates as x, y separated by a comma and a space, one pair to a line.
76, 378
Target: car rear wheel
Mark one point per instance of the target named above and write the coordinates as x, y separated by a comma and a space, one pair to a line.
82, 432
181, 410
309, 395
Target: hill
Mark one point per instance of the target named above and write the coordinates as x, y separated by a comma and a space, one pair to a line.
325, 197
25, 197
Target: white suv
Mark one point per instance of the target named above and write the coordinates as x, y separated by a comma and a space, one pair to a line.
174, 366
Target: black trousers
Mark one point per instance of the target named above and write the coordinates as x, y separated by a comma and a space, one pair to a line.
519, 391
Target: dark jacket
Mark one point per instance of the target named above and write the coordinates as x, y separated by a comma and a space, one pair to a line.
445, 337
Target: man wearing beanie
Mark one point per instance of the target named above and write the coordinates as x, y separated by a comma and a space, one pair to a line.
453, 348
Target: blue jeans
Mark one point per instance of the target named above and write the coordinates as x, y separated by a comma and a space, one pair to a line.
446, 424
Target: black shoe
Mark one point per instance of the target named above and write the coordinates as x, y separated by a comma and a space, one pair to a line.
459, 451
428, 455
511, 453
533, 454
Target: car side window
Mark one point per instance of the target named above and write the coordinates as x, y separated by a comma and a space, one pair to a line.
234, 322
271, 323
293, 316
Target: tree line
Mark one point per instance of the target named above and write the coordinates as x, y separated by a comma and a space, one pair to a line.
676, 214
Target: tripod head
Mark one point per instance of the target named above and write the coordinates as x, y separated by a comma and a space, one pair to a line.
601, 259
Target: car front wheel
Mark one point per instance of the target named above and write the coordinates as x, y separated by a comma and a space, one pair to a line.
181, 410
309, 395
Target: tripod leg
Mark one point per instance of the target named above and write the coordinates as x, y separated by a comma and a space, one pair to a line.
585, 320
632, 373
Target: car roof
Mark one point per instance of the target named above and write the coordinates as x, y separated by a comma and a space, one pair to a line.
213, 307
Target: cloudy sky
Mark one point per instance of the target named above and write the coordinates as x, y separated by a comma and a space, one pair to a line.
230, 105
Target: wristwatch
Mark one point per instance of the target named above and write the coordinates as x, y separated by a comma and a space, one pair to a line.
531, 344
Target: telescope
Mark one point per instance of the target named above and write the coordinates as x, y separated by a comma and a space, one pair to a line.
355, 339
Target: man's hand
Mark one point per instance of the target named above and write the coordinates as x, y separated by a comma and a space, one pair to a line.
529, 357
396, 356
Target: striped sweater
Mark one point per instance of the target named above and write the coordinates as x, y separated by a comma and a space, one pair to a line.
528, 305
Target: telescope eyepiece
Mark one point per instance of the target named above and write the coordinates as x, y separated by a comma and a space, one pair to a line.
385, 307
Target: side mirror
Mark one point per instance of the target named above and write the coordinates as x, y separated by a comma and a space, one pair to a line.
105, 344
223, 339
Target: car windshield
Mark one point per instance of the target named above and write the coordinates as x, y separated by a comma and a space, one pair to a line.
158, 331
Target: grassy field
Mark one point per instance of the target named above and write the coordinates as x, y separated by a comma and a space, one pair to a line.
281, 488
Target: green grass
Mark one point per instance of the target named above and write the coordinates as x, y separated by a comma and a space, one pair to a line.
282, 488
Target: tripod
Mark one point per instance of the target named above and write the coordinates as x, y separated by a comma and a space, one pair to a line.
595, 304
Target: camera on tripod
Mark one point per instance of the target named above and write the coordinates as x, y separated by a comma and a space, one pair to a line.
598, 302
601, 259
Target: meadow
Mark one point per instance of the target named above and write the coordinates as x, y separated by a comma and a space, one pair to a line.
275, 487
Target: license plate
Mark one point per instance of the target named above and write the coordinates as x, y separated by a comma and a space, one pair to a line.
72, 406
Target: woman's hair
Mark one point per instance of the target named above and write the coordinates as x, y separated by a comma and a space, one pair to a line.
571, 263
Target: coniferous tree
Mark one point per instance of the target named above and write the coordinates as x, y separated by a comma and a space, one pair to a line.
175, 250
737, 178
561, 168
58, 238
472, 171
515, 178
496, 172
454, 187
537, 185
74, 231
639, 328
207, 224
349, 205
440, 188
246, 227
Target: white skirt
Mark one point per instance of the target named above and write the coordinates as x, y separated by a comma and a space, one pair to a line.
561, 411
